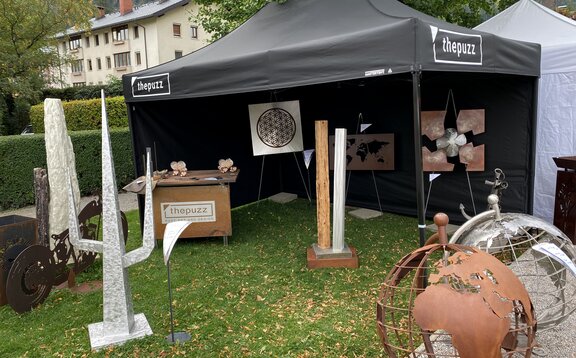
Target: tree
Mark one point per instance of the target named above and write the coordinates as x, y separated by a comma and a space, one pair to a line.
467, 13
28, 51
219, 17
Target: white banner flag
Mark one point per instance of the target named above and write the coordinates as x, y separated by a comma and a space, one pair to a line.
364, 126
308, 157
276, 127
434, 176
171, 233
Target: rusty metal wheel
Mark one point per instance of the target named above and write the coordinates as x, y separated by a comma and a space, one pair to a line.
30, 278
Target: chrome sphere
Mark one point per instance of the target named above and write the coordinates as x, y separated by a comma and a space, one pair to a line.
511, 237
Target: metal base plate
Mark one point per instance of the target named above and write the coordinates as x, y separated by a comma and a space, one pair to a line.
179, 337
100, 338
330, 253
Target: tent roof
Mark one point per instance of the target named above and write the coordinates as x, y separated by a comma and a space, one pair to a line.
519, 21
304, 42
527, 20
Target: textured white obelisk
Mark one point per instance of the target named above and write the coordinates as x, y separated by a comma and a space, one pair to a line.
120, 324
339, 198
60, 159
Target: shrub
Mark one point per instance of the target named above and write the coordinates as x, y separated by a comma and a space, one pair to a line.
19, 155
84, 114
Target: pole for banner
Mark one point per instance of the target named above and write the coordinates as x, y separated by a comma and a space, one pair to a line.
178, 336
377, 194
302, 177
261, 176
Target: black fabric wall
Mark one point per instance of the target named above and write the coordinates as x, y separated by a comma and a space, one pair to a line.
201, 131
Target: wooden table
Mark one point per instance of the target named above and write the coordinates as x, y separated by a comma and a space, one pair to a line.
202, 197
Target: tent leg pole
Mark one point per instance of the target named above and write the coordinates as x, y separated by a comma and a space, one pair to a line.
418, 156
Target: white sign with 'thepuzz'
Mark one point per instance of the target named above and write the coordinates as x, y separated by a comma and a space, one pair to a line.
193, 211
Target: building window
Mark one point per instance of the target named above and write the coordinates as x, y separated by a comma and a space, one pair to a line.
89, 65
99, 63
120, 33
96, 40
122, 59
136, 33
76, 66
176, 30
177, 54
194, 31
78, 84
108, 62
106, 39
74, 43
87, 41
138, 59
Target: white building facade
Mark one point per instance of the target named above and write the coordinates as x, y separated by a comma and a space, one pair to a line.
129, 40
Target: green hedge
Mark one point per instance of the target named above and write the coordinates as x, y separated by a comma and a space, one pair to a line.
84, 114
20, 154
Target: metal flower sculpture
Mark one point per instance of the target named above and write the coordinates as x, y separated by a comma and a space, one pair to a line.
452, 142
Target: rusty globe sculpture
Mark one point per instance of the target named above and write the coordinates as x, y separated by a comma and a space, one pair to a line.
450, 300
513, 239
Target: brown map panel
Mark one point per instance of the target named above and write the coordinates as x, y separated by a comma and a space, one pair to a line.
367, 151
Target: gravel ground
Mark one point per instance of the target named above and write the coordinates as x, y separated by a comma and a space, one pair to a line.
128, 201
558, 342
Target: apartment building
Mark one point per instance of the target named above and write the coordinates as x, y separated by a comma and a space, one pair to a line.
130, 40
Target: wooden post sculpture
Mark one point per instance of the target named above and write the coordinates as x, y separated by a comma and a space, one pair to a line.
323, 254
120, 324
322, 185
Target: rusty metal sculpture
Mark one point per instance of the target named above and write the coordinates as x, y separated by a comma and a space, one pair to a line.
34, 270
453, 142
450, 300
30, 278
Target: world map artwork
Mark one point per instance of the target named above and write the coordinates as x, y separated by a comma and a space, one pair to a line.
367, 151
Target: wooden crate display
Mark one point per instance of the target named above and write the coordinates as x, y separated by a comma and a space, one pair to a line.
204, 202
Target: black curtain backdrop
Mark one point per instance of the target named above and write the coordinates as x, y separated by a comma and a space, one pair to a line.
200, 131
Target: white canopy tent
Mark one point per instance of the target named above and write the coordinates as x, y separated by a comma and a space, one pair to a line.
556, 124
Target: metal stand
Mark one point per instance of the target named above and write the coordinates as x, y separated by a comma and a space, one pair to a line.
174, 337
302, 177
299, 171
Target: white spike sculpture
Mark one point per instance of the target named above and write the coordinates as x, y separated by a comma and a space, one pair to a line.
120, 324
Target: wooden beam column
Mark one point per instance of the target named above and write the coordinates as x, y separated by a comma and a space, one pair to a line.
322, 185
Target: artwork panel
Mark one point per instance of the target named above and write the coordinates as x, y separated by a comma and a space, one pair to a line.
451, 142
276, 127
435, 161
367, 151
471, 120
432, 124
473, 157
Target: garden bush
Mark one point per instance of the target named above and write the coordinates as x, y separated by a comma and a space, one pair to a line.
84, 114
20, 154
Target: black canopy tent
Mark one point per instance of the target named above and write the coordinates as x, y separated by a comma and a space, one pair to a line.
341, 58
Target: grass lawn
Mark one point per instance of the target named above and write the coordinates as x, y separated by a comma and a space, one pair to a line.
254, 297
